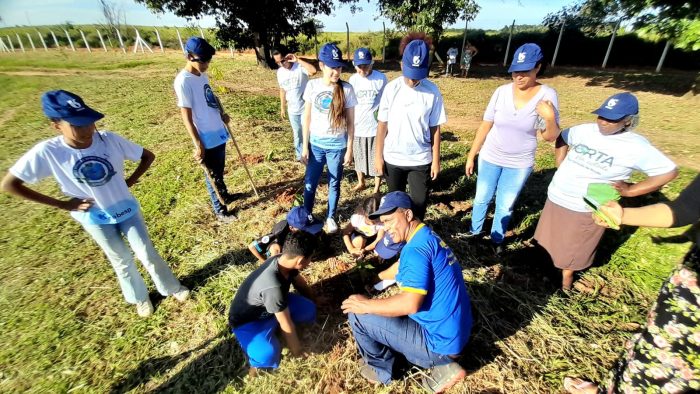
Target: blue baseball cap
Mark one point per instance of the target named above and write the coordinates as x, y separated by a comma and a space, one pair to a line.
200, 47
300, 218
362, 56
331, 56
526, 58
390, 202
415, 61
64, 105
387, 248
618, 106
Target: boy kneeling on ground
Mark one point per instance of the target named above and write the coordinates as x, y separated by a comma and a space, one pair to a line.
298, 219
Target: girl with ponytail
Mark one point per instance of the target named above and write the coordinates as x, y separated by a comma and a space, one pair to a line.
327, 124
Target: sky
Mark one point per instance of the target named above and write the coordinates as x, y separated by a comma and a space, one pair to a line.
494, 14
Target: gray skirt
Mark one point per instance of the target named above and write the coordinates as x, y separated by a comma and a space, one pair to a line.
363, 154
571, 238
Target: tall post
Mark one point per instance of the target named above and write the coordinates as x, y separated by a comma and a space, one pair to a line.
12, 46
31, 42
347, 40
3, 47
85, 41
55, 40
556, 50
179, 39
42, 41
510, 37
160, 43
612, 39
70, 41
663, 56
384, 43
230, 48
201, 32
121, 42
102, 41
20, 42
464, 36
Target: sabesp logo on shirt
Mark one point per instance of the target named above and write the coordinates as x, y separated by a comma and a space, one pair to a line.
93, 171
322, 102
209, 96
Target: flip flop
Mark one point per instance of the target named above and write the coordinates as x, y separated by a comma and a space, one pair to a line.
576, 385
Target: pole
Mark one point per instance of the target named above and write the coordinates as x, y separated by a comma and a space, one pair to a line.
612, 39
55, 40
245, 167
230, 48
179, 39
85, 41
505, 58
464, 36
347, 40
20, 42
663, 56
384, 43
160, 43
42, 41
70, 41
31, 42
101, 40
12, 46
556, 50
201, 32
121, 42
3, 47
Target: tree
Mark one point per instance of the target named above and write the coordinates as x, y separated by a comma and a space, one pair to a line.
258, 24
428, 16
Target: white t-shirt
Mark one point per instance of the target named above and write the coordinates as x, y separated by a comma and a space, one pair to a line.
320, 97
597, 158
452, 55
368, 92
361, 226
293, 81
193, 91
96, 172
410, 113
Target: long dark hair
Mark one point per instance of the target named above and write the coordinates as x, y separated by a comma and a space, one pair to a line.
369, 205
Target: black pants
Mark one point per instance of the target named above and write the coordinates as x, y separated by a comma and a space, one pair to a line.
418, 180
214, 160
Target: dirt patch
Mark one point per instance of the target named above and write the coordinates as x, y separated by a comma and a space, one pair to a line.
286, 197
253, 159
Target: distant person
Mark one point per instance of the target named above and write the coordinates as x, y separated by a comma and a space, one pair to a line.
368, 85
608, 152
89, 167
468, 53
362, 234
452, 54
506, 141
408, 134
663, 356
329, 129
292, 75
429, 321
263, 305
204, 123
270, 244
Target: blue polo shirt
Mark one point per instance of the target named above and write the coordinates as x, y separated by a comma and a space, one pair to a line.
429, 267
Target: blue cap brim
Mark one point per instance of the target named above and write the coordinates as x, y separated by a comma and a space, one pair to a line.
608, 114
379, 212
333, 63
387, 252
522, 67
313, 229
87, 117
415, 73
362, 62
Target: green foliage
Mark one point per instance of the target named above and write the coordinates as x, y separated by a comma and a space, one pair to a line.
428, 16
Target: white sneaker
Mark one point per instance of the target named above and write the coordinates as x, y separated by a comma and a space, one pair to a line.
182, 294
144, 309
331, 226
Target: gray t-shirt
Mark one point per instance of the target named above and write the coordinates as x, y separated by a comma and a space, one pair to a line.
262, 294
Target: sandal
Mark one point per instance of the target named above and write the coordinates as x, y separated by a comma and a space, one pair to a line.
579, 386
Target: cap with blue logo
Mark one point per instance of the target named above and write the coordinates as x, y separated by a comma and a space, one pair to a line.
526, 58
200, 47
64, 105
299, 217
416, 60
618, 106
362, 56
331, 56
391, 202
387, 248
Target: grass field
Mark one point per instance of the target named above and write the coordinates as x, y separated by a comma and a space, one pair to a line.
64, 324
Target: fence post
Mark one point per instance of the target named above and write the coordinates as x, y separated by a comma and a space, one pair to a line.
179, 39
347, 40
160, 43
663, 56
42, 41
101, 40
20, 42
70, 41
121, 42
201, 32
464, 38
612, 39
55, 40
31, 42
556, 50
85, 41
3, 47
384, 43
12, 46
510, 36
230, 48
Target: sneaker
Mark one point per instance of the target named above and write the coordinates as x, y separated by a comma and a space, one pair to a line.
369, 373
443, 377
226, 217
144, 309
331, 226
182, 294
231, 197
468, 235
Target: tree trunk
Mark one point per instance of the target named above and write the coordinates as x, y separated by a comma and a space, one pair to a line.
262, 50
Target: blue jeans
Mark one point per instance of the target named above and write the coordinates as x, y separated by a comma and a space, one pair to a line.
110, 237
506, 183
319, 157
295, 121
258, 339
214, 160
380, 338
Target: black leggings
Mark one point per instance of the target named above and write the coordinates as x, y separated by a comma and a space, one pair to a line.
418, 180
